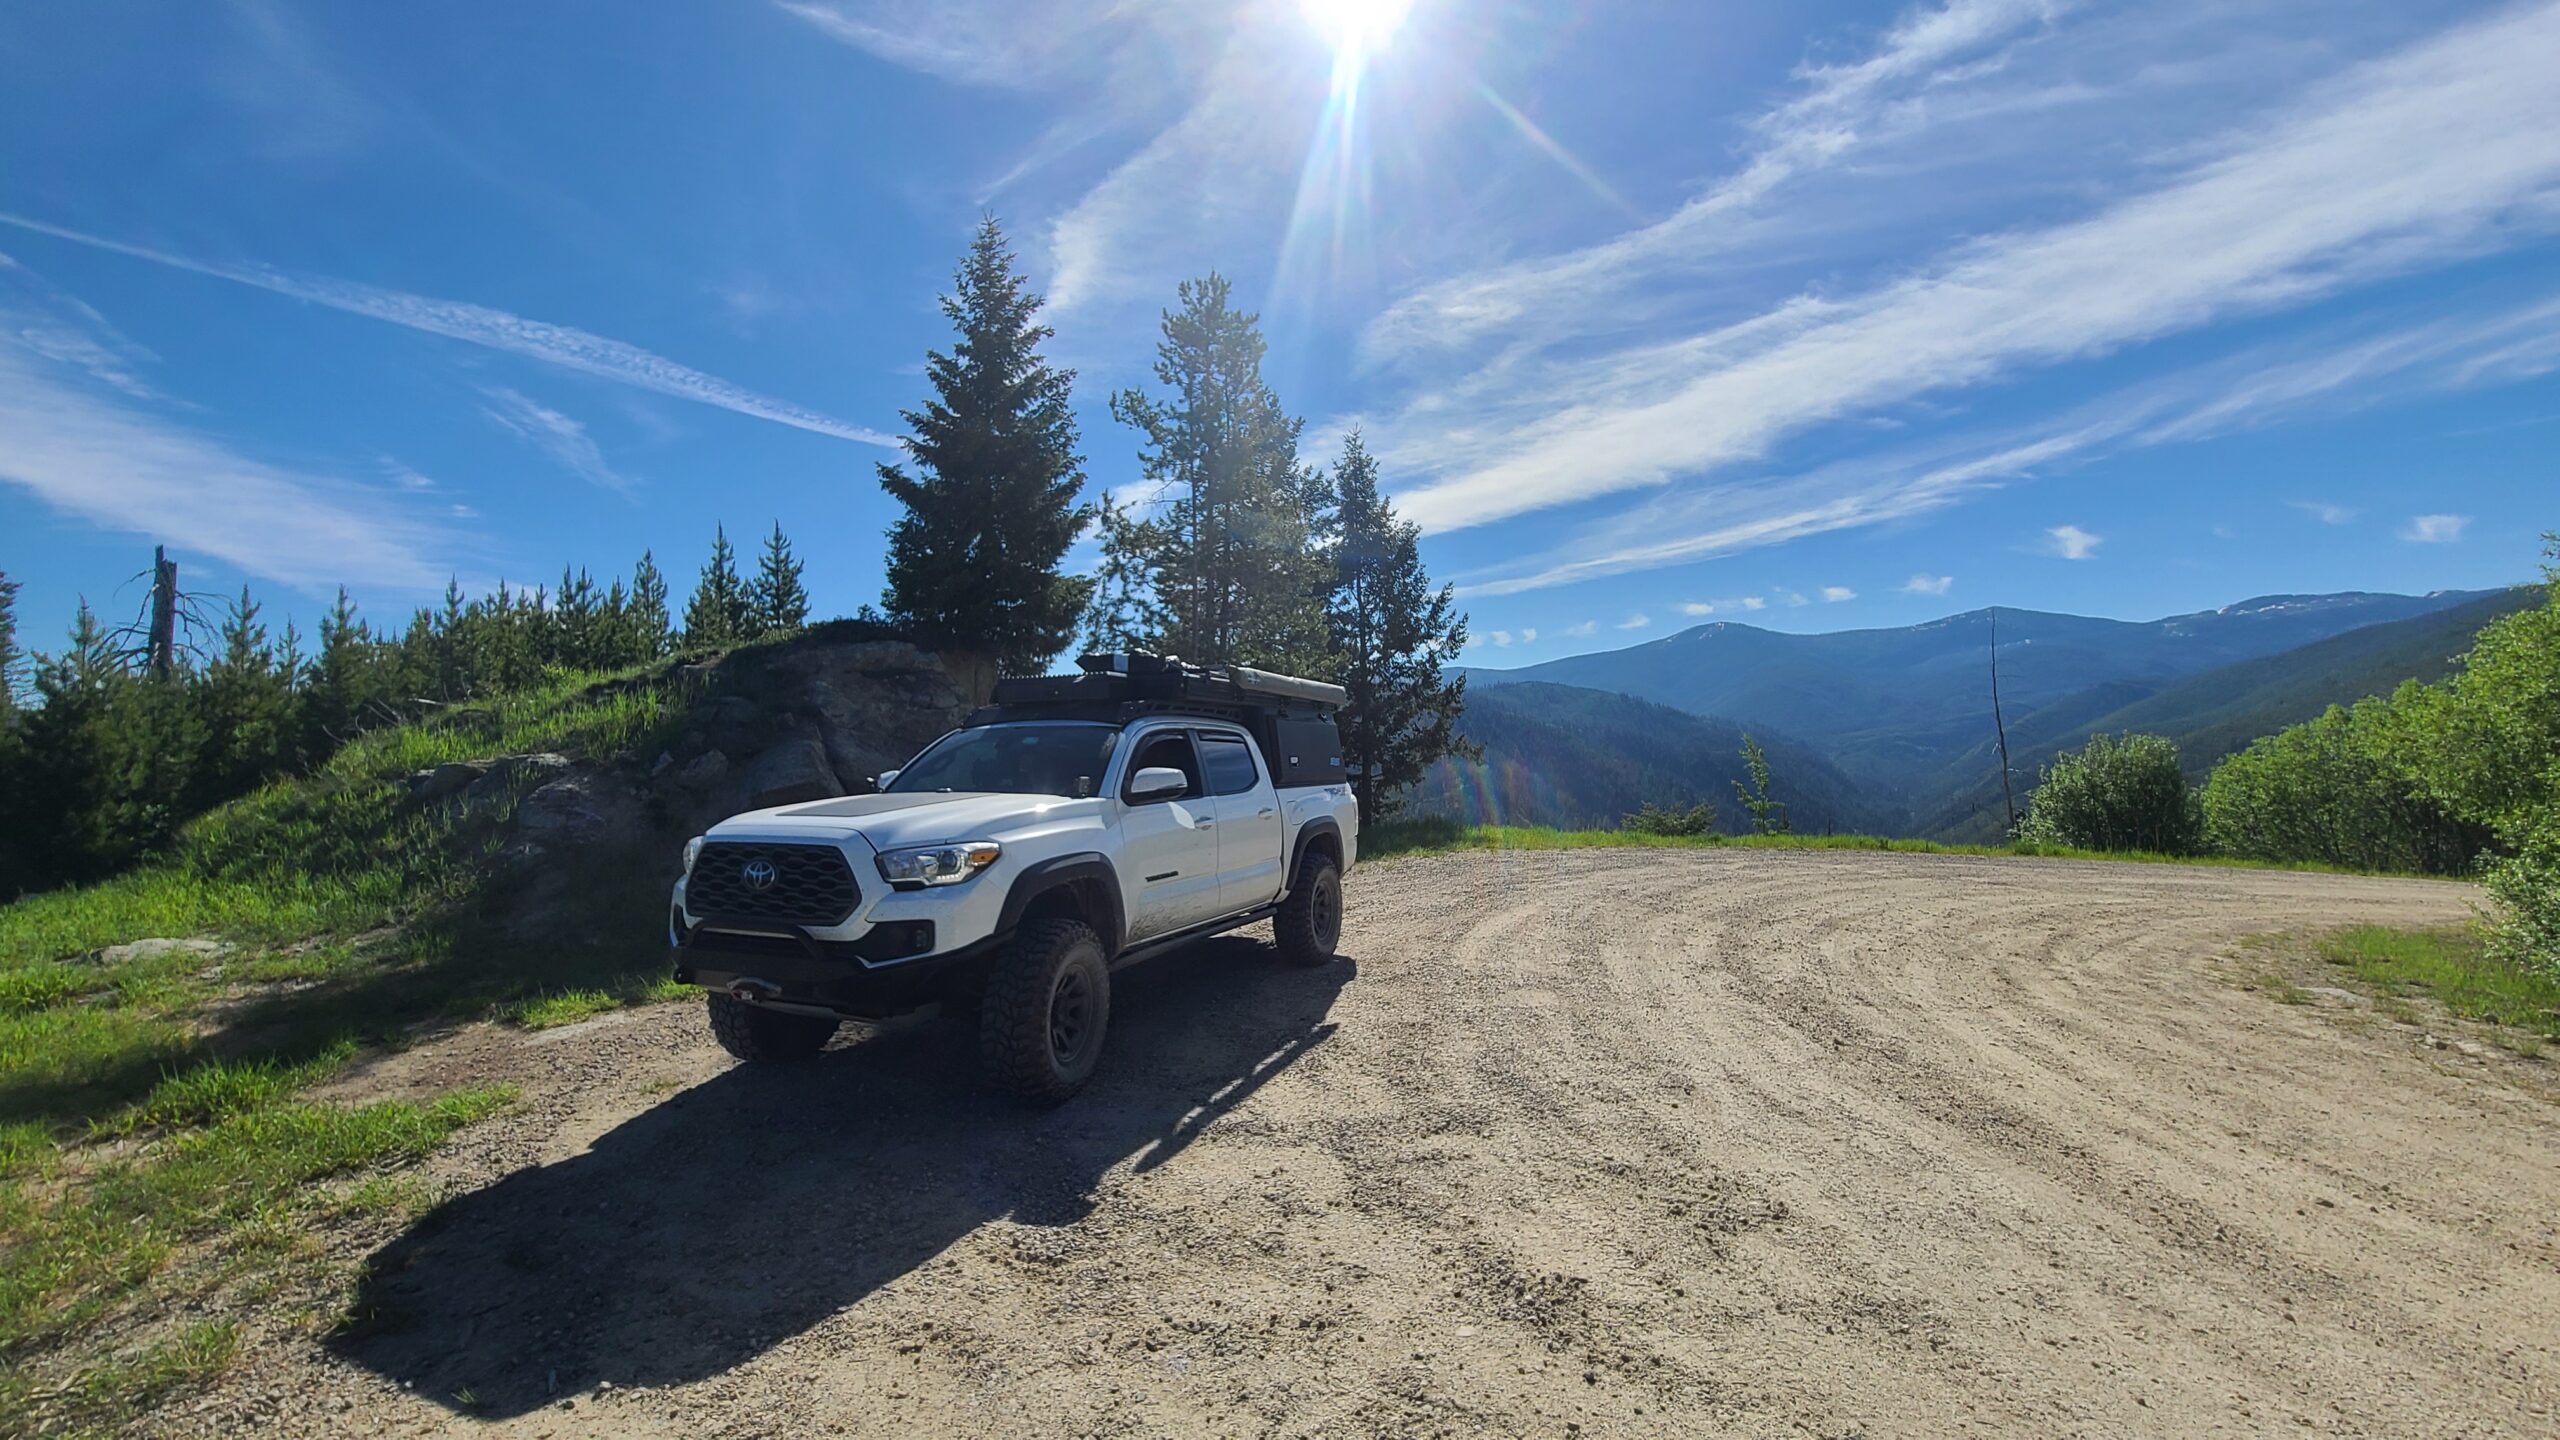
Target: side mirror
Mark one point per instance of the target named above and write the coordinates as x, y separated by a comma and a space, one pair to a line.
885, 777
1157, 782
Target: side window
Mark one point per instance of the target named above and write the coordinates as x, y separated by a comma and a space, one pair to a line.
1170, 750
1229, 763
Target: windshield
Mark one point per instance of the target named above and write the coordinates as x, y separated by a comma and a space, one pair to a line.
1041, 759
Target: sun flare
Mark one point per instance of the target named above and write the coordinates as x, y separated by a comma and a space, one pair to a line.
1355, 28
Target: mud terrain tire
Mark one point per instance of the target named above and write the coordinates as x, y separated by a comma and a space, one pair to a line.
1046, 1011
1309, 924
763, 1036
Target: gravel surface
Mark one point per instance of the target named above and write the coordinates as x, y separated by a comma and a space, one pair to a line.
1597, 1143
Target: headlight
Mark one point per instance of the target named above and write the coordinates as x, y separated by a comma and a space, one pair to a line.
938, 864
692, 852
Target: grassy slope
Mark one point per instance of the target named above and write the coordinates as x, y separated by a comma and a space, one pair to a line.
148, 1108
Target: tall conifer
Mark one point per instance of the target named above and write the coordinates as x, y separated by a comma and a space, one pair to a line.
776, 597
992, 505
1394, 637
1221, 564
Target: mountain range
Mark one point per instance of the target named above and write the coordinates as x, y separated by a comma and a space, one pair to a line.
1892, 729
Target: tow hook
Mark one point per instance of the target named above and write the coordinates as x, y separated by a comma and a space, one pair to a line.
750, 988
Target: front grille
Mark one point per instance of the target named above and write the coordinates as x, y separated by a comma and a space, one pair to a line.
811, 885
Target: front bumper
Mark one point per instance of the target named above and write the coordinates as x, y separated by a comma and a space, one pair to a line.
783, 966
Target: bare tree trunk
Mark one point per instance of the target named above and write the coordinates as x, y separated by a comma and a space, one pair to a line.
2008, 798
163, 654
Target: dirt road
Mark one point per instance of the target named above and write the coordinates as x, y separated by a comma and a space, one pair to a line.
1607, 1143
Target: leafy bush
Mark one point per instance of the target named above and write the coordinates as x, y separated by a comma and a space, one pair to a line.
2116, 794
2338, 790
1653, 819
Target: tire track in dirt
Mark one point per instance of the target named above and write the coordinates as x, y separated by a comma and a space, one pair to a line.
1602, 1142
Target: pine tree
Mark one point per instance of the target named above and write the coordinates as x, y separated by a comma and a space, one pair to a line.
1768, 817
775, 598
8, 646
1223, 567
1394, 638
647, 614
719, 613
990, 513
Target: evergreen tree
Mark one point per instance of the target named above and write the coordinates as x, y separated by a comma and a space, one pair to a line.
1223, 567
719, 613
8, 646
1394, 638
577, 619
775, 598
1768, 816
646, 616
992, 509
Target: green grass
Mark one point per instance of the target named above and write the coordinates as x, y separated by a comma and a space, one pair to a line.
568, 1007
154, 1147
1392, 838
2451, 968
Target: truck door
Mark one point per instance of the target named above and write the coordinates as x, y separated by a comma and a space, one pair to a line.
1168, 848
1249, 828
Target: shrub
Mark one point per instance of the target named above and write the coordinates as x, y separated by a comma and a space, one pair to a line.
2117, 794
2338, 790
1653, 819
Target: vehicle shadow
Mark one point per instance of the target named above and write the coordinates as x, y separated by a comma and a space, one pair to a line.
742, 1211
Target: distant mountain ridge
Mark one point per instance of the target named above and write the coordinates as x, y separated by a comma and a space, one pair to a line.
1905, 711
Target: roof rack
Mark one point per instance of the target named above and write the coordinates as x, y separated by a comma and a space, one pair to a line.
1162, 682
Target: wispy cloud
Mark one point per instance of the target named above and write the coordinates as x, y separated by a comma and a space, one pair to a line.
2435, 529
1840, 107
1928, 585
110, 459
554, 434
2326, 369
2324, 512
1637, 621
560, 345
1586, 628
1838, 594
2349, 186
2072, 543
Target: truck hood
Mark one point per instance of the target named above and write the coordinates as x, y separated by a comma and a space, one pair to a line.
890, 821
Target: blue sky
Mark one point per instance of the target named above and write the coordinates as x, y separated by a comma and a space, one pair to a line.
1816, 316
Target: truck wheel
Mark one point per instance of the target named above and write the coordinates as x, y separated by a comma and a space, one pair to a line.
1309, 924
752, 1032
1041, 1023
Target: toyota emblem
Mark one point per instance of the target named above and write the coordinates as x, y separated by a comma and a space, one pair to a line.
758, 874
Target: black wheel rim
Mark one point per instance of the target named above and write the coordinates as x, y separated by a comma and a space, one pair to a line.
1325, 908
1070, 1016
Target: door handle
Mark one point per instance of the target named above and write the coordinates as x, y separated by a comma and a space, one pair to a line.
1205, 825
1265, 813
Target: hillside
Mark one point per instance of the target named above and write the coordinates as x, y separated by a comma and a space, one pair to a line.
2217, 713
1562, 755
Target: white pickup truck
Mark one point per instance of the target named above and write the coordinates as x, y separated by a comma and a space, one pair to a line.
1079, 824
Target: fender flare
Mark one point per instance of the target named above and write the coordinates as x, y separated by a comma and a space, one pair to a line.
1320, 826
1039, 879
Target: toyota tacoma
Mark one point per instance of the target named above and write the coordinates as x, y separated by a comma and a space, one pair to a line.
1077, 825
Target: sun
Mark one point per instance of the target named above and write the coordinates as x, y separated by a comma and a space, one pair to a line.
1355, 29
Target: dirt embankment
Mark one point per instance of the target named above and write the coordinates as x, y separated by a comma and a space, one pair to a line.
1608, 1143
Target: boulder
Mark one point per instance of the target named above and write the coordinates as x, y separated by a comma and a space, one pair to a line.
579, 808
444, 780
704, 771
789, 773
200, 947
511, 772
